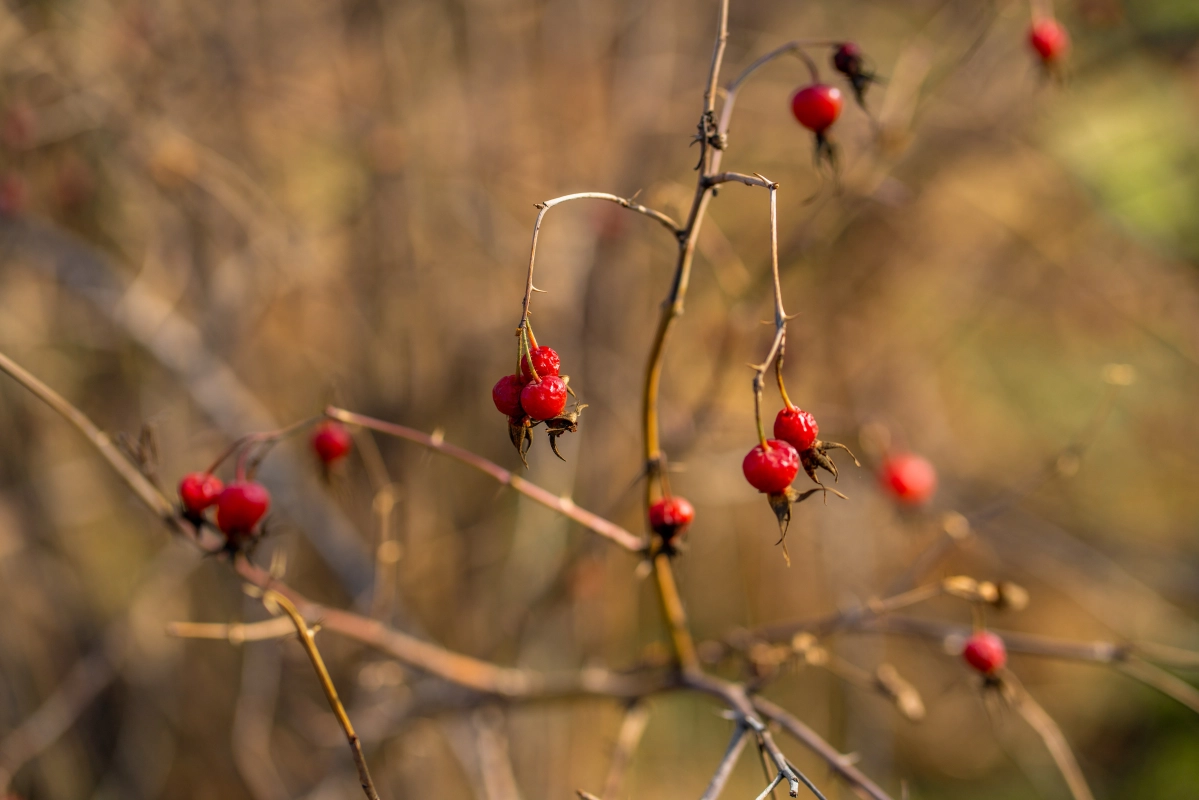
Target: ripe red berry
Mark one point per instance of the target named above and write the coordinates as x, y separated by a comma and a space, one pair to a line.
985, 652
331, 441
847, 59
670, 516
241, 506
816, 106
771, 469
199, 490
544, 399
1049, 39
506, 395
796, 427
910, 478
545, 361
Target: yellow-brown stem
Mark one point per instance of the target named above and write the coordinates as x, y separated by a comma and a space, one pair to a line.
676, 617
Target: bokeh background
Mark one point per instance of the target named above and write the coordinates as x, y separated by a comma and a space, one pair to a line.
218, 217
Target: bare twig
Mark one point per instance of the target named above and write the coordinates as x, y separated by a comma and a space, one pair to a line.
1047, 728
308, 640
636, 717
563, 505
235, 632
725, 770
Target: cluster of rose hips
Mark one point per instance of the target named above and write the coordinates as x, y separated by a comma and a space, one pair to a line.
772, 465
536, 394
241, 505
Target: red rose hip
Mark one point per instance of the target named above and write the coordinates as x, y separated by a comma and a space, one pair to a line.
816, 107
241, 506
985, 652
331, 441
670, 516
910, 478
1049, 39
847, 59
199, 490
506, 395
796, 427
771, 469
544, 399
545, 361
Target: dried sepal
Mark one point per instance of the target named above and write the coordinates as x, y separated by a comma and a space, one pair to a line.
520, 431
817, 456
899, 691
567, 422
781, 504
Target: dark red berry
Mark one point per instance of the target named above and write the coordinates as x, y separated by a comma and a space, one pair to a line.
985, 652
240, 507
545, 361
506, 395
544, 399
796, 427
816, 106
910, 478
1049, 39
199, 490
670, 516
847, 59
771, 469
331, 441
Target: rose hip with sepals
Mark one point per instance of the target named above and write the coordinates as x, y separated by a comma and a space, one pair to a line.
985, 652
545, 361
770, 468
544, 399
199, 490
331, 441
240, 507
910, 478
847, 59
796, 427
1049, 39
816, 106
670, 516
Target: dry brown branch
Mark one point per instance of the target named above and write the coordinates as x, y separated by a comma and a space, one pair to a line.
308, 640
563, 505
725, 769
233, 632
636, 717
1047, 728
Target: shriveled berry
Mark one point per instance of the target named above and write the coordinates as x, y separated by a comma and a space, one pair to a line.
1049, 39
240, 507
545, 361
817, 106
771, 469
796, 427
847, 59
199, 490
331, 441
544, 399
670, 516
910, 478
985, 652
506, 395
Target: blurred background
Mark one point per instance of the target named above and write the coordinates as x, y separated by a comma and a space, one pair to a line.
218, 217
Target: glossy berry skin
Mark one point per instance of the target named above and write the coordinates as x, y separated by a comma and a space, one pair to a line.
796, 427
771, 469
985, 652
1049, 39
544, 399
331, 441
199, 490
847, 59
816, 107
545, 361
910, 478
240, 507
506, 395
670, 515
